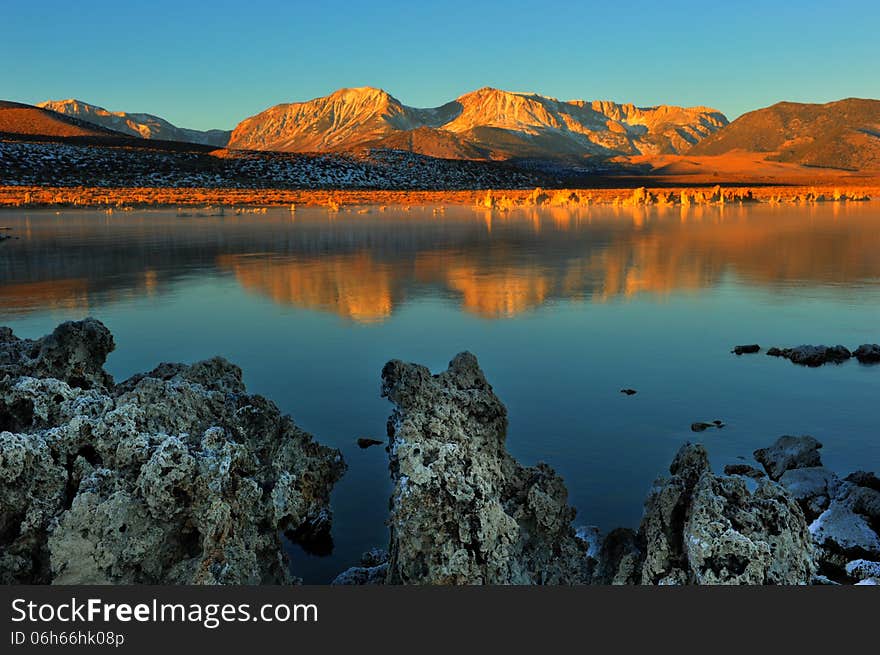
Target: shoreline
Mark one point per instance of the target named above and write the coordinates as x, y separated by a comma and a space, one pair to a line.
24, 197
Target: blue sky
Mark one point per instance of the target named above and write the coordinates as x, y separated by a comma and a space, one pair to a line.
205, 65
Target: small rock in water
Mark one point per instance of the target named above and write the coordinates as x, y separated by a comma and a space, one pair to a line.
628, 392
700, 426
868, 353
749, 348
366, 442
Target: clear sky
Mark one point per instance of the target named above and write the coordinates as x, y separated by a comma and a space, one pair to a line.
208, 65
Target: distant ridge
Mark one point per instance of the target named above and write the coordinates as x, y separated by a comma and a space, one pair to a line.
145, 126
484, 124
27, 120
844, 134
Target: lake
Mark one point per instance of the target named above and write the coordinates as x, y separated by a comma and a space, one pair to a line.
563, 307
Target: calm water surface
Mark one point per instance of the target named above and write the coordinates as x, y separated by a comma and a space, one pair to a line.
562, 307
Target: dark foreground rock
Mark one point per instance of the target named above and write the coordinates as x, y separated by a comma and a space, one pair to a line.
176, 476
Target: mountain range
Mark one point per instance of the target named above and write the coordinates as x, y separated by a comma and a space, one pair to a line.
491, 124
146, 126
484, 124
20, 119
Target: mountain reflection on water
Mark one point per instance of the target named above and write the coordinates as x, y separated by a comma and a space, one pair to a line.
363, 267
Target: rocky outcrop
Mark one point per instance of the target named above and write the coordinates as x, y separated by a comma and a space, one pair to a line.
848, 530
788, 453
700, 528
862, 569
843, 515
463, 510
174, 476
74, 353
812, 487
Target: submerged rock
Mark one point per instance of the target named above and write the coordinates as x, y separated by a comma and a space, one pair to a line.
787, 453
176, 476
366, 442
699, 528
463, 510
746, 349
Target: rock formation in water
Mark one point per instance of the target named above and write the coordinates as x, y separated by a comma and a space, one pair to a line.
173, 476
179, 476
463, 510
812, 355
702, 528
844, 515
868, 353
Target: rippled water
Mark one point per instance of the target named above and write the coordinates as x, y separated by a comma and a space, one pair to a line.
562, 307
